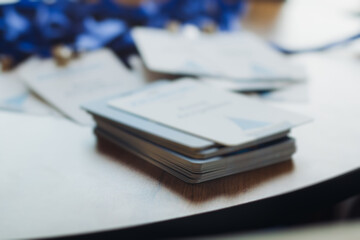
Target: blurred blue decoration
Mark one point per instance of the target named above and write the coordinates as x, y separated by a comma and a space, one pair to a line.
316, 49
34, 26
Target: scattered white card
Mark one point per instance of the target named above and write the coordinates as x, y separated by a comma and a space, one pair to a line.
244, 86
94, 75
223, 117
238, 55
15, 96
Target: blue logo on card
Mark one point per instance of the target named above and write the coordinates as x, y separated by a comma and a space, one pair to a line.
17, 101
192, 66
247, 124
261, 70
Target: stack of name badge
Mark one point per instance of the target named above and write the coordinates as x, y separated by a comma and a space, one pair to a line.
194, 131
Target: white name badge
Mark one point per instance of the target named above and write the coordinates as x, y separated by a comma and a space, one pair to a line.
223, 117
93, 76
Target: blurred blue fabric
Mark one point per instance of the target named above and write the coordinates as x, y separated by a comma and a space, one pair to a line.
33, 27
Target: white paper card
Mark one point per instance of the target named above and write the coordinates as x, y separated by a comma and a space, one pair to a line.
240, 56
223, 117
93, 76
15, 96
